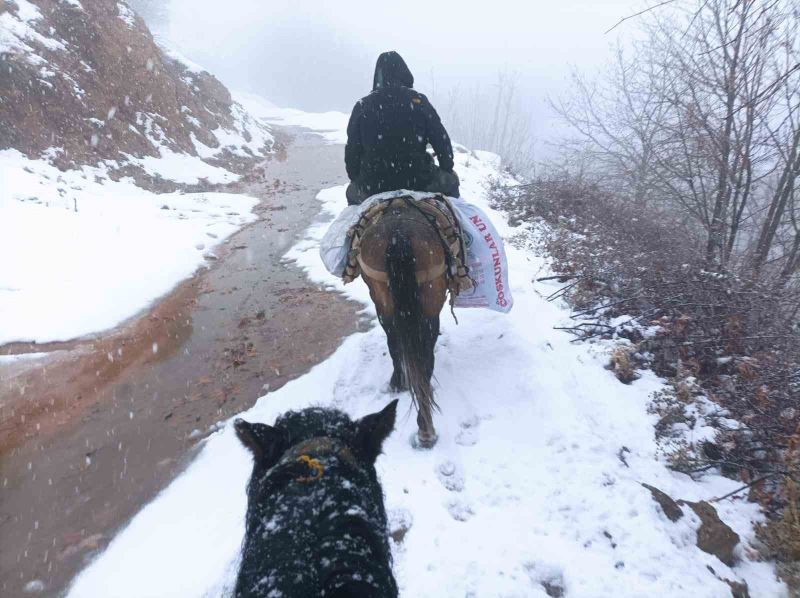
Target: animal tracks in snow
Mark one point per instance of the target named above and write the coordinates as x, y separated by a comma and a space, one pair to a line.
400, 522
450, 476
460, 510
549, 577
468, 434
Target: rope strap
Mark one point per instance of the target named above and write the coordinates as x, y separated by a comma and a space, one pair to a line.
426, 275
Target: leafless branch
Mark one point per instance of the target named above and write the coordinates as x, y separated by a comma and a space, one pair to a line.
640, 13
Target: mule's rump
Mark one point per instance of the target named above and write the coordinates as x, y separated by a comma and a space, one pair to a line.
404, 235
481, 272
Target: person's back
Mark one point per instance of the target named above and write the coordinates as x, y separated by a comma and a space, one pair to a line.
388, 134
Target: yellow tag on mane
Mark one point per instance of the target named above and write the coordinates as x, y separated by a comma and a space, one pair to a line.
314, 465
416, 100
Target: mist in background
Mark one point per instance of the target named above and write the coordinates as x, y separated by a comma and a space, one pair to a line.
320, 56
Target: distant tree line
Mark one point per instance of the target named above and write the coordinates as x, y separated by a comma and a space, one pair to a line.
494, 118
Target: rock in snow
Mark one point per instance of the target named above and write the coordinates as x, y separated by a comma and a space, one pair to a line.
714, 536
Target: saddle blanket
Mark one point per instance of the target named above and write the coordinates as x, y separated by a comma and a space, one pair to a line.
485, 253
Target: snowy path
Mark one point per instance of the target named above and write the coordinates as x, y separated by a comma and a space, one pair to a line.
523, 491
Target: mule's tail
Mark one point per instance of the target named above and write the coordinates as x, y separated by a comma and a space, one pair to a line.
411, 327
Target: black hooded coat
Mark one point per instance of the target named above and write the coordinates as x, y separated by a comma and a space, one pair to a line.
389, 131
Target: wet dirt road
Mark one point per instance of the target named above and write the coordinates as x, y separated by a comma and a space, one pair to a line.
91, 433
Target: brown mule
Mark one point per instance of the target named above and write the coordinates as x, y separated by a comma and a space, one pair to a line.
403, 262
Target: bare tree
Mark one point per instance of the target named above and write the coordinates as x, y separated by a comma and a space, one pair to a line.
619, 119
699, 120
719, 111
780, 223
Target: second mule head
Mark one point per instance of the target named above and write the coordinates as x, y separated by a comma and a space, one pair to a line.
316, 523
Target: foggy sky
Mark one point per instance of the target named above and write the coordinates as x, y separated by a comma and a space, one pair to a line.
318, 56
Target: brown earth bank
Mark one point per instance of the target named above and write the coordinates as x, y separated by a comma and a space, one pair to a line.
95, 429
88, 83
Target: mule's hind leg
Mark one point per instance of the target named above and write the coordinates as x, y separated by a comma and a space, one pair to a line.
431, 332
398, 382
427, 436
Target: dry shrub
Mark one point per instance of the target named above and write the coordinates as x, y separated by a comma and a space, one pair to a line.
622, 364
781, 538
782, 535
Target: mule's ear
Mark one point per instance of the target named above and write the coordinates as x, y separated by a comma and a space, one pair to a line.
373, 429
265, 442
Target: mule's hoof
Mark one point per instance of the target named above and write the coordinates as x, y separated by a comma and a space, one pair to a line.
424, 442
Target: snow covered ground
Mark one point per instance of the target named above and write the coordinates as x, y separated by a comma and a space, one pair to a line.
81, 252
330, 125
524, 489
8, 359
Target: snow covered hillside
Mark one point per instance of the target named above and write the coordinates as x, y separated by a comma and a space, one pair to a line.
529, 491
95, 117
85, 82
83, 253
332, 126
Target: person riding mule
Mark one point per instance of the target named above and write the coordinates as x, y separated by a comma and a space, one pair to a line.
388, 134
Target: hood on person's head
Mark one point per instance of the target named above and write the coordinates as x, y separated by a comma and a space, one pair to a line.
391, 70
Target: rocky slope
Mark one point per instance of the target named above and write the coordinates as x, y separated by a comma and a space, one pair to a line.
83, 82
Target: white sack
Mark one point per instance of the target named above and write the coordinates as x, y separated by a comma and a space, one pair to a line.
486, 260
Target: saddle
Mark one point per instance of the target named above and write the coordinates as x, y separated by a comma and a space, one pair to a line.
440, 214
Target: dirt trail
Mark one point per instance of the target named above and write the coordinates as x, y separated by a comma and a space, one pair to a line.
93, 431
